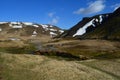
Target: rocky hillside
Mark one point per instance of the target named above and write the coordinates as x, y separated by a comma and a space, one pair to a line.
26, 29
103, 26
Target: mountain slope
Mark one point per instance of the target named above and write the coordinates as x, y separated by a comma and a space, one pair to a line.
110, 29
103, 26
26, 29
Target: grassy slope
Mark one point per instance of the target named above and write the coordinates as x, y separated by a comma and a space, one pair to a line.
110, 67
90, 48
35, 67
16, 47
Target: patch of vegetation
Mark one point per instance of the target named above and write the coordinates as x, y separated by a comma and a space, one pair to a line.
17, 70
19, 50
59, 55
107, 55
92, 53
110, 66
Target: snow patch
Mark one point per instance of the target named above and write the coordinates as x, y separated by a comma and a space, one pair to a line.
10, 25
27, 23
15, 25
96, 20
52, 34
34, 33
53, 30
82, 30
36, 26
51, 26
93, 25
45, 27
101, 18
61, 31
3, 22
30, 24
14, 39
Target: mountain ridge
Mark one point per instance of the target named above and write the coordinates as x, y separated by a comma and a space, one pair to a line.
96, 27
28, 29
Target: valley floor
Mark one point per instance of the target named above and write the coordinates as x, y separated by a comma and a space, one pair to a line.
36, 67
102, 60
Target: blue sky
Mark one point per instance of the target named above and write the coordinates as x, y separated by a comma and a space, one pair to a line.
62, 13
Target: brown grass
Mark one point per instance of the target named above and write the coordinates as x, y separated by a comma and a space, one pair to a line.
8, 43
89, 48
110, 67
35, 67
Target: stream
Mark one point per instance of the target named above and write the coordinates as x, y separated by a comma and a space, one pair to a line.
40, 46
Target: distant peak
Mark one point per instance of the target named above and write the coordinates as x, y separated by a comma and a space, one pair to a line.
117, 10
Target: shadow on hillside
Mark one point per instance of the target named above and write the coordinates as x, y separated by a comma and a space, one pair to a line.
59, 55
49, 53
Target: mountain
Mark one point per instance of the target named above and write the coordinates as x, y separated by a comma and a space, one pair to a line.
103, 26
27, 29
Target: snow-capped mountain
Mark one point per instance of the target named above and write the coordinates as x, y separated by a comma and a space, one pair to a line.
103, 26
28, 29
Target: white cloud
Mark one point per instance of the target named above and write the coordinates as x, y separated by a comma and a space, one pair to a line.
116, 6
93, 7
51, 14
54, 20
